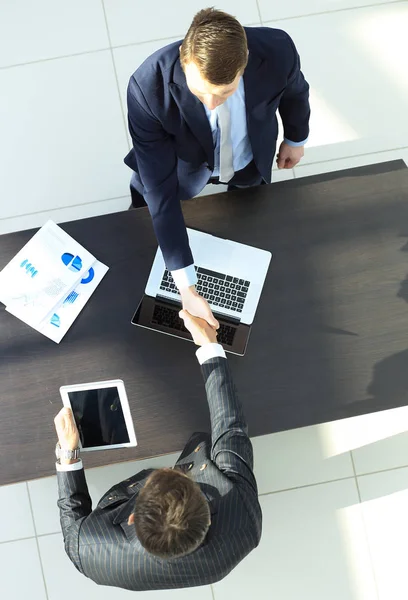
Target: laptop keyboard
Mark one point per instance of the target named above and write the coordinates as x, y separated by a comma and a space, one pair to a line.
220, 290
168, 317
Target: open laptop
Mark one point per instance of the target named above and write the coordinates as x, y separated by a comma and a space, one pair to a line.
230, 277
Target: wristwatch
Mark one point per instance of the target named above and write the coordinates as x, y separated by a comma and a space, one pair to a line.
66, 454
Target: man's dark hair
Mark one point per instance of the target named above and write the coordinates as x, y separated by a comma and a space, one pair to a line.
216, 42
172, 515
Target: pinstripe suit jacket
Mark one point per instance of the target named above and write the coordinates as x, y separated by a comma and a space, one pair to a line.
105, 548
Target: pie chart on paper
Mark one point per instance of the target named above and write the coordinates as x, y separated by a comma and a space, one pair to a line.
89, 276
74, 263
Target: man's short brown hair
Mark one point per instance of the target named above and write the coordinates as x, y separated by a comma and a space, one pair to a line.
216, 42
172, 515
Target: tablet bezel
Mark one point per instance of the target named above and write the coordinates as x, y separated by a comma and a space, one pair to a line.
98, 385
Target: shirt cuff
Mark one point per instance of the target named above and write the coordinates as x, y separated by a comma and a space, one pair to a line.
184, 277
295, 144
209, 351
72, 467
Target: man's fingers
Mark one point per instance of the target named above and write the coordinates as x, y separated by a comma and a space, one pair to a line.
189, 319
214, 323
65, 411
64, 416
183, 314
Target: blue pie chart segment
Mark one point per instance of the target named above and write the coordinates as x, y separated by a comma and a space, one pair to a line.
74, 263
55, 320
90, 275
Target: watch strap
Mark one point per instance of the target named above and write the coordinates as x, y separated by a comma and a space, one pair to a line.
66, 454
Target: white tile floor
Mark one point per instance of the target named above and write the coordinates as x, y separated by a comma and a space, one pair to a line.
334, 496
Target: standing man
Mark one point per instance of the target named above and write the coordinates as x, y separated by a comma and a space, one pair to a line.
168, 528
204, 110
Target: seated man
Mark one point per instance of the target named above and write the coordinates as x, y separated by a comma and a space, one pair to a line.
169, 528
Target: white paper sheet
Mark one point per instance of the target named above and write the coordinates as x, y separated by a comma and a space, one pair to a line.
49, 281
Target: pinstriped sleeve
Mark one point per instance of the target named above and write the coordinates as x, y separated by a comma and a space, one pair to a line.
75, 505
231, 447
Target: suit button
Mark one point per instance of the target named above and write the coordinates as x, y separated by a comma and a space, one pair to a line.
204, 466
132, 485
190, 466
112, 497
197, 449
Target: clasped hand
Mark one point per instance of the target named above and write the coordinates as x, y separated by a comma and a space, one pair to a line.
289, 156
197, 306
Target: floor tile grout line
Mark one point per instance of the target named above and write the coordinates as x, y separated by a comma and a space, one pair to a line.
31, 537
85, 52
300, 487
370, 556
122, 108
337, 10
353, 466
39, 212
212, 591
306, 485
259, 12
36, 540
96, 50
167, 38
62, 56
368, 473
40, 535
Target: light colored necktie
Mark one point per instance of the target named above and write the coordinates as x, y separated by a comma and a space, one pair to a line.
226, 162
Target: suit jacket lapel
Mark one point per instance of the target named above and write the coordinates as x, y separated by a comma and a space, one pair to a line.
253, 75
193, 112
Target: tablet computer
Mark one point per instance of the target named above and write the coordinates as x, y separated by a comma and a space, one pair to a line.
102, 414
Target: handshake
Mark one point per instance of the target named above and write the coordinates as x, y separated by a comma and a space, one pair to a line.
201, 332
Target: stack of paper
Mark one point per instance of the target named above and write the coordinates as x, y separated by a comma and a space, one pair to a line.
49, 281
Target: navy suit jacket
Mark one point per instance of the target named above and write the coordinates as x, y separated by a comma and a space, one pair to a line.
173, 153
106, 549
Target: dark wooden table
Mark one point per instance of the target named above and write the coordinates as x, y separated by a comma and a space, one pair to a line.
330, 339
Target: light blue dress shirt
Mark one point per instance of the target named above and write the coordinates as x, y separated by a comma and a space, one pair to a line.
241, 146
241, 154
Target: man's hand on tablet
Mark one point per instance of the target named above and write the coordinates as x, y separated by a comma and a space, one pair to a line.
67, 431
201, 332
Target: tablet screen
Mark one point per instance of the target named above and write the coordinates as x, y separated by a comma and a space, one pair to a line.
99, 417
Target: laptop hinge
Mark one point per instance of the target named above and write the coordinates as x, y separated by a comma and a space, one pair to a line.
232, 320
169, 300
